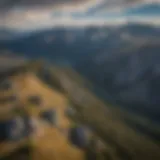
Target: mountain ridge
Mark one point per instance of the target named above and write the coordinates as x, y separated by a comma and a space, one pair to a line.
117, 60
122, 139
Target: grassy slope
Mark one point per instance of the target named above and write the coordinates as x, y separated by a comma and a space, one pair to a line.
50, 142
122, 140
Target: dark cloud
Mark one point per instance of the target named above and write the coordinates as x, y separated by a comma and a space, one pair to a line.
4, 4
8, 4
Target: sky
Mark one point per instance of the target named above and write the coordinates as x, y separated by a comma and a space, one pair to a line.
39, 14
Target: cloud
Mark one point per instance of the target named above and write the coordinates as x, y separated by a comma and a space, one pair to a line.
7, 4
30, 18
28, 22
121, 6
100, 6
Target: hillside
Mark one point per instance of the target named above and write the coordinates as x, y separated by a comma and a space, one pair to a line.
123, 140
126, 136
48, 142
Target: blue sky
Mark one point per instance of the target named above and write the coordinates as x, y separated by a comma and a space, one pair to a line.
88, 12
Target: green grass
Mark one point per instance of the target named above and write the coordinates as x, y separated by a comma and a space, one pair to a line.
124, 143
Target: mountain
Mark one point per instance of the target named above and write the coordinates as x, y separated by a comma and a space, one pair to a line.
47, 141
10, 34
114, 127
6, 34
122, 62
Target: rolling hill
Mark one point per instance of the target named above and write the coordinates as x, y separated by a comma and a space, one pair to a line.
47, 142
122, 139
107, 121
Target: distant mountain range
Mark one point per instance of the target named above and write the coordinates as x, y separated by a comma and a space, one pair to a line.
122, 62
10, 34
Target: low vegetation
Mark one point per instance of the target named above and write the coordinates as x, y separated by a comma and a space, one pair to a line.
122, 140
